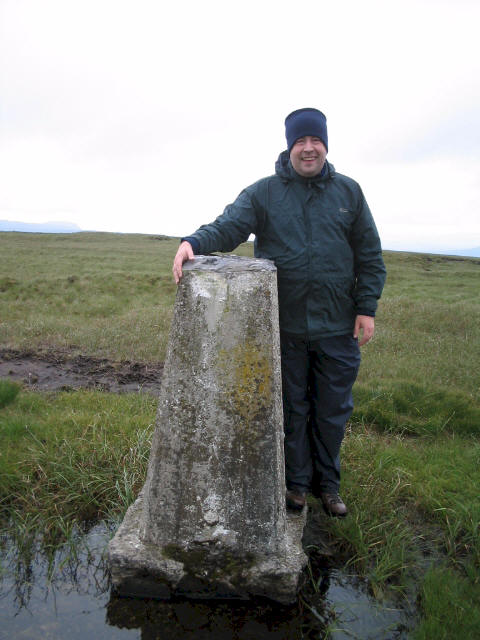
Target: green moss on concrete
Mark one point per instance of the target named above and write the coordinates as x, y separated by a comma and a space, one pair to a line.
211, 564
191, 559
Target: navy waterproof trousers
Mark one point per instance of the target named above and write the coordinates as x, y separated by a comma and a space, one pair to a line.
317, 381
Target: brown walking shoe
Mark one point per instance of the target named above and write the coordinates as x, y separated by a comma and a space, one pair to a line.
333, 505
295, 500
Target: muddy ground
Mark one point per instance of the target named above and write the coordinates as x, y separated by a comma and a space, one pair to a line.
55, 370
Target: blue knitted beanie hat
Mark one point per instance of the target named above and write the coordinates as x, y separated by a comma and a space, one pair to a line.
306, 122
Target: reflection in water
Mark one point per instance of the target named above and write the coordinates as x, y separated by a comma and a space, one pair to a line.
70, 598
63, 598
187, 620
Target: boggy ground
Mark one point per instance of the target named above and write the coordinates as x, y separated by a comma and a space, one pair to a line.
64, 370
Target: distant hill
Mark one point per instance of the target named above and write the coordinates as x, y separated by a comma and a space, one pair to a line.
472, 253
436, 251
39, 227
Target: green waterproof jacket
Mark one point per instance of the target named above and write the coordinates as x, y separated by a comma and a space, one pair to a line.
321, 236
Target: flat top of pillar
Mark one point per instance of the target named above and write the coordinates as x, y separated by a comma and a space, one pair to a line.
228, 263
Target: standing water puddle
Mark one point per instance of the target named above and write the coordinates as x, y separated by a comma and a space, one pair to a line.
72, 599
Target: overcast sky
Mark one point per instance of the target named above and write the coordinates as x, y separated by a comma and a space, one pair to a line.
150, 116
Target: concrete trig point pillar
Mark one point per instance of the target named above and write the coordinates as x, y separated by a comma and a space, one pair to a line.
210, 521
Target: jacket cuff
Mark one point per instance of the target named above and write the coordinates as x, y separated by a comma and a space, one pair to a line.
366, 306
194, 242
365, 312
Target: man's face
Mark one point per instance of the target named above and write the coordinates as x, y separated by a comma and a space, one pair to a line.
308, 156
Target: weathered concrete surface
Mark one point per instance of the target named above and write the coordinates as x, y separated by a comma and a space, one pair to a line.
211, 519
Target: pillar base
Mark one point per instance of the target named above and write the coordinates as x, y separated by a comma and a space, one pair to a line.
203, 571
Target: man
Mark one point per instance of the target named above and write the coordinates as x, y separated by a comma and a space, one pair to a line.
316, 226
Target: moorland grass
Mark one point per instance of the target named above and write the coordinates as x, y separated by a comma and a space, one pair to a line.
400, 406
411, 456
96, 294
69, 458
102, 294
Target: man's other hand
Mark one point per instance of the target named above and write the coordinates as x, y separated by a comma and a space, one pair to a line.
184, 253
364, 329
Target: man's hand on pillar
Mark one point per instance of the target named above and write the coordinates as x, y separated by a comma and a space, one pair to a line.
184, 253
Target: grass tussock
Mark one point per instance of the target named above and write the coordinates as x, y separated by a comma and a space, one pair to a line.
8, 392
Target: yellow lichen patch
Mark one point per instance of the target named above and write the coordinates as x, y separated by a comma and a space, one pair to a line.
247, 370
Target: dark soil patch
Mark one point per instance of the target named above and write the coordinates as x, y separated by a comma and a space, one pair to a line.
54, 371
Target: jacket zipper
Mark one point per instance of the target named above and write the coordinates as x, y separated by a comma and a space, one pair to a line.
308, 223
